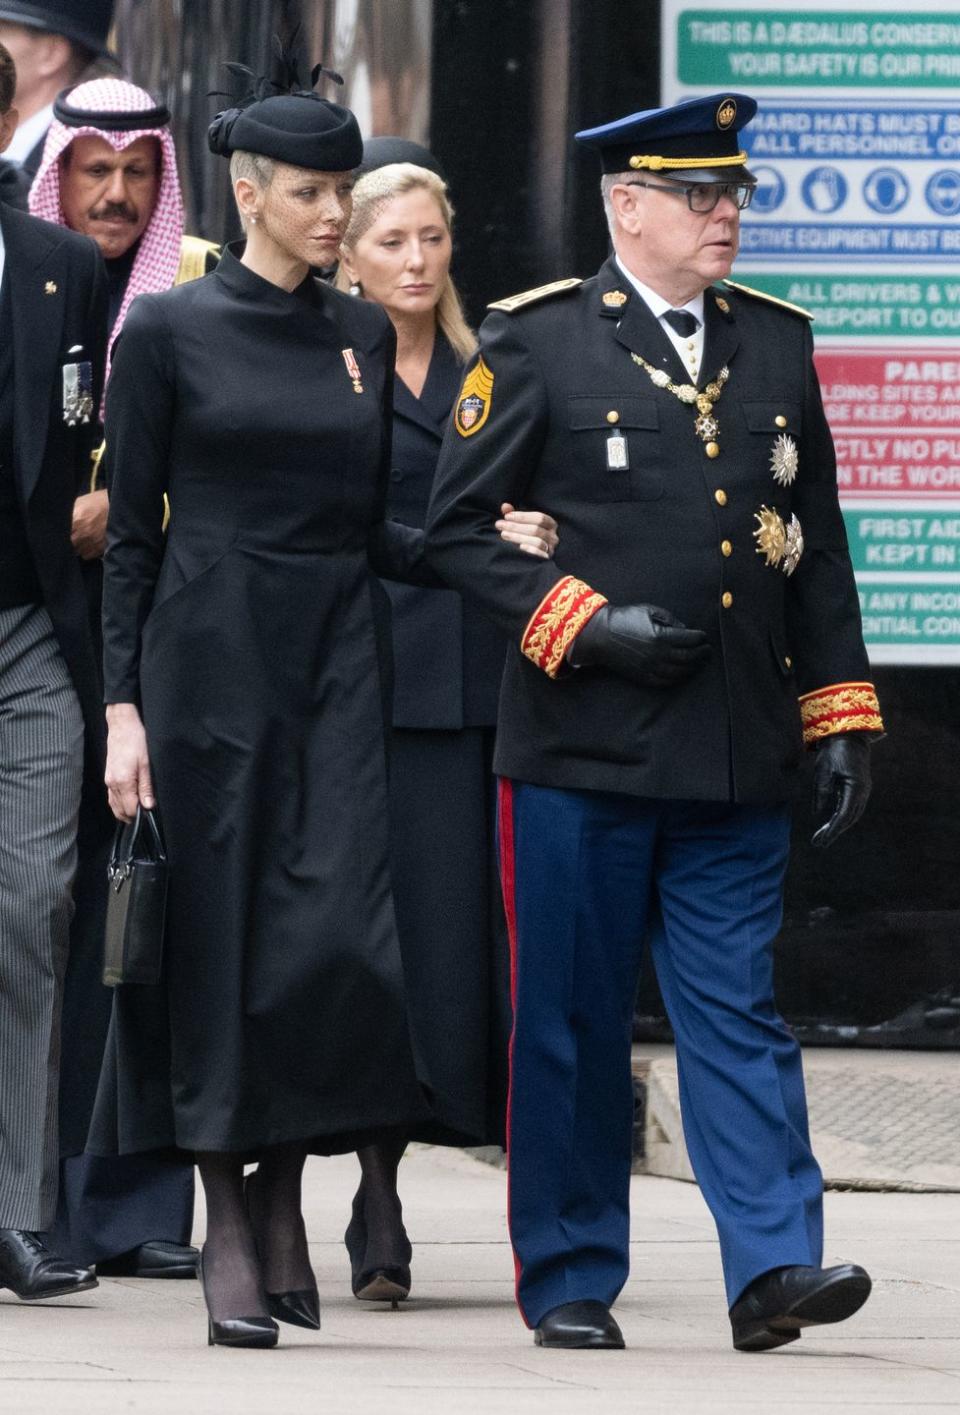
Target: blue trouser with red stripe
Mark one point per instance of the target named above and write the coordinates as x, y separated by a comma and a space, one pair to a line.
588, 877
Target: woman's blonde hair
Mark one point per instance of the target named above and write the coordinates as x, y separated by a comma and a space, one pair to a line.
370, 194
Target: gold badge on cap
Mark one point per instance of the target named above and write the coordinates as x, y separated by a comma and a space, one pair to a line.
784, 460
726, 113
473, 407
613, 299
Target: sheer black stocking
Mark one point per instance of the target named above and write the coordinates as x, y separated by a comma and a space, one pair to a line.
377, 1206
273, 1199
231, 1273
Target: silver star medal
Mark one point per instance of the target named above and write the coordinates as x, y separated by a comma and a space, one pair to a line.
794, 545
784, 460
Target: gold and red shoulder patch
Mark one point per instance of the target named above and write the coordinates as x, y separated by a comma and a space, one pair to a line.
473, 405
842, 707
556, 622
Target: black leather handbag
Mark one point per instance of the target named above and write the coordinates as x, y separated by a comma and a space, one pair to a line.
137, 877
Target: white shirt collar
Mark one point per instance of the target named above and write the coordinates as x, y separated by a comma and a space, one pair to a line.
656, 302
28, 134
690, 349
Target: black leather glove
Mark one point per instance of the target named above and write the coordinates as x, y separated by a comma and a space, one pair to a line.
641, 642
841, 783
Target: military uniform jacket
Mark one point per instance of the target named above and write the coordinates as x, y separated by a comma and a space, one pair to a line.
675, 527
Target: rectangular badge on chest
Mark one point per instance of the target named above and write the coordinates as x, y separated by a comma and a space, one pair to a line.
77, 393
617, 458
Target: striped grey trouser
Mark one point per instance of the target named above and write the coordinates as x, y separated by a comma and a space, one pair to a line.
41, 773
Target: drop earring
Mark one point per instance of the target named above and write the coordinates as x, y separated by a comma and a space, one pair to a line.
355, 288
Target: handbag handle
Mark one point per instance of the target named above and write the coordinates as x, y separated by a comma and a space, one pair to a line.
125, 844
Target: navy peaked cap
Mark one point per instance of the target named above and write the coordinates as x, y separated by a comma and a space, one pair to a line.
698, 133
298, 128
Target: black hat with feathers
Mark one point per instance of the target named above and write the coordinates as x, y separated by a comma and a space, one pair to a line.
288, 121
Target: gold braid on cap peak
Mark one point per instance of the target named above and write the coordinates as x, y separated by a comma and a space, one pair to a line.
659, 164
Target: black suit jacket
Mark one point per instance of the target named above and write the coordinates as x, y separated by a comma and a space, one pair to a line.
448, 655
59, 311
675, 527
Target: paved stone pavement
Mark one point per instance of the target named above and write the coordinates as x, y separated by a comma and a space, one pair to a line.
458, 1347
878, 1119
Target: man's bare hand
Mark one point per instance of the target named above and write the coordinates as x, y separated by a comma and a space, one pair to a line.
128, 767
89, 533
532, 531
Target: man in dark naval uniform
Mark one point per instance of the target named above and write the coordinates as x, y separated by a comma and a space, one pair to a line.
704, 627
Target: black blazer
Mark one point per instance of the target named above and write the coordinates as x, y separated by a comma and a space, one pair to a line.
58, 301
448, 656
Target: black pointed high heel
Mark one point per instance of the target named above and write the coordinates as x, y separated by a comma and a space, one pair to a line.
299, 1307
237, 1331
374, 1282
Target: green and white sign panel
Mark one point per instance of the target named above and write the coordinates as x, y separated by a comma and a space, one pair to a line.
857, 217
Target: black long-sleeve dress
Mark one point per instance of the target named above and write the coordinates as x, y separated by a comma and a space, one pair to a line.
448, 665
254, 639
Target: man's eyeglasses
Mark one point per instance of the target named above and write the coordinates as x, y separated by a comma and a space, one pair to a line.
703, 196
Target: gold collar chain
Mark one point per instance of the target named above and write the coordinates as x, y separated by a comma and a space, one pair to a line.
706, 426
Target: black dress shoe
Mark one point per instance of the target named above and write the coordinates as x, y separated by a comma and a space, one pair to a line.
258, 1332
300, 1307
30, 1270
156, 1259
777, 1304
587, 1325
370, 1280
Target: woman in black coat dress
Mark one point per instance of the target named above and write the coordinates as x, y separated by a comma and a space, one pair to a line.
245, 680
449, 661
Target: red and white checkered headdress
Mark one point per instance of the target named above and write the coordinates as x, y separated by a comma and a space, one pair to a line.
158, 257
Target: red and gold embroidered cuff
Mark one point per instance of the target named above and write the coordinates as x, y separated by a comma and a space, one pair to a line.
843, 707
556, 622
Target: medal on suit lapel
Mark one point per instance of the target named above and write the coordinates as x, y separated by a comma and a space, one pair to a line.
706, 426
353, 369
77, 393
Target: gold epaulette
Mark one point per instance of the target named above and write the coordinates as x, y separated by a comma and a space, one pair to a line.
770, 299
529, 297
194, 255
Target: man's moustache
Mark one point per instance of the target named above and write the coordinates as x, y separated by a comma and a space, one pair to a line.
113, 213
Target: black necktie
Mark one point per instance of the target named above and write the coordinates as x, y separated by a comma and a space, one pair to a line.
685, 323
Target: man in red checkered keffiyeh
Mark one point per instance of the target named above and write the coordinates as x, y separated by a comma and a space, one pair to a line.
109, 170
